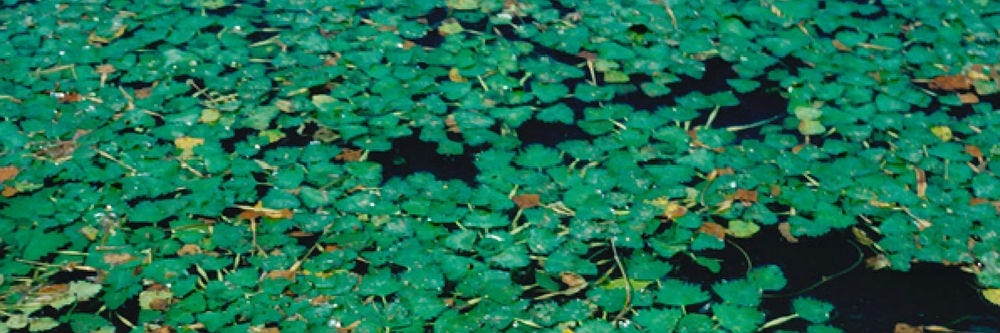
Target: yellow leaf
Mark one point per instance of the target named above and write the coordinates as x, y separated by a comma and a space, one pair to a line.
942, 132
462, 4
209, 116
455, 76
742, 229
992, 295
186, 144
272, 135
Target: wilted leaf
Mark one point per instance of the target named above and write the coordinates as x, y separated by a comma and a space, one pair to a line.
258, 210
186, 144
992, 295
155, 299
713, 229
942, 132
455, 76
8, 172
209, 116
524, 201
747, 197
786, 232
742, 229
950, 83
462, 4
968, 98
118, 258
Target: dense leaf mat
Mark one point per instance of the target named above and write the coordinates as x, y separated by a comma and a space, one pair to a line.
207, 165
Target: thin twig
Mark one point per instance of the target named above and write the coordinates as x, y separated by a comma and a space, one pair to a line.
628, 284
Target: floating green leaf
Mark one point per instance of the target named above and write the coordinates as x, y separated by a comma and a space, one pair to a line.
680, 293
812, 310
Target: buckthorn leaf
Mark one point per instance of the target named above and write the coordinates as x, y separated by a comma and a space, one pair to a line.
737, 318
680, 293
812, 310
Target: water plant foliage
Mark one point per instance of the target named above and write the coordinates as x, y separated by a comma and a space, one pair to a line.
210, 165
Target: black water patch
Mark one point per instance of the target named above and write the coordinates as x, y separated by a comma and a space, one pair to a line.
828, 268
410, 155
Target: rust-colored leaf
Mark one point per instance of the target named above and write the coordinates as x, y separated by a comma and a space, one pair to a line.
786, 232
950, 83
713, 229
969, 149
349, 155
8, 172
281, 274
747, 197
350, 328
840, 46
69, 97
8, 191
674, 210
524, 201
977, 201
53, 289
258, 210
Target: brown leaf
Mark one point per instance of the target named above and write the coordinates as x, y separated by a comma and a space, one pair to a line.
968, 98
713, 229
572, 279
786, 231
907, 328
840, 46
189, 249
8, 191
451, 124
877, 262
969, 149
117, 258
104, 69
53, 289
349, 155
674, 210
281, 274
587, 55
950, 83
747, 197
719, 172
921, 182
797, 148
524, 201
8, 172
144, 93
775, 190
